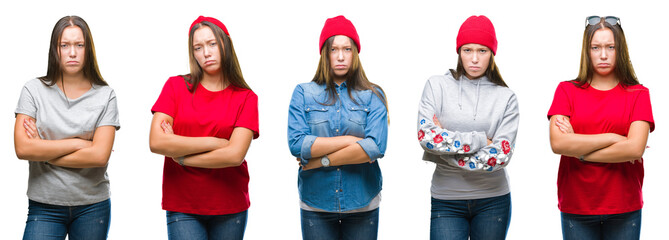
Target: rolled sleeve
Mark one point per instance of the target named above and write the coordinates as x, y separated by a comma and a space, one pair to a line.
371, 149
305, 153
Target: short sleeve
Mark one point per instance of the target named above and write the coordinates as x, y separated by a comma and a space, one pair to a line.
166, 102
248, 114
642, 110
26, 104
110, 114
561, 104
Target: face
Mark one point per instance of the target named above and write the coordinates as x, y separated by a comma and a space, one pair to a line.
475, 59
341, 56
603, 52
205, 49
72, 50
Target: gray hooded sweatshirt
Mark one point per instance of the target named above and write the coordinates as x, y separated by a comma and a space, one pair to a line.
470, 112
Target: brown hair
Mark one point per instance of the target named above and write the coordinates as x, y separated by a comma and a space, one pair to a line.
90, 68
491, 72
355, 77
229, 64
623, 67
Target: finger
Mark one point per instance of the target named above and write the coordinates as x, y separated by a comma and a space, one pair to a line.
29, 135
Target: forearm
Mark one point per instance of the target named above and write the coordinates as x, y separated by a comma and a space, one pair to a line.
351, 154
630, 149
231, 155
624, 151
45, 150
327, 145
89, 157
576, 145
172, 145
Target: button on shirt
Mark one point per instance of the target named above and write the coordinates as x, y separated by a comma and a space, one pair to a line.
347, 187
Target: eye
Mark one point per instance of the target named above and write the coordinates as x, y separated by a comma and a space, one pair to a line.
466, 50
483, 51
80, 45
595, 48
332, 49
612, 47
63, 45
212, 44
197, 48
348, 49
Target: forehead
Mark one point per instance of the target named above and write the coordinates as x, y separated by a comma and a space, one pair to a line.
474, 46
341, 40
72, 33
203, 33
603, 35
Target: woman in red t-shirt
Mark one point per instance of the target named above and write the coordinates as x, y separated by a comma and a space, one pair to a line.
600, 123
203, 123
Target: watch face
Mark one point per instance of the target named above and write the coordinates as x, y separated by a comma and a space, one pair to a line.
325, 162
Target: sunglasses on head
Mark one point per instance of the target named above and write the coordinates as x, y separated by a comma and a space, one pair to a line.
594, 20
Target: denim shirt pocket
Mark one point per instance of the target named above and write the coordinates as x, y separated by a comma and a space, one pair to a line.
357, 120
317, 118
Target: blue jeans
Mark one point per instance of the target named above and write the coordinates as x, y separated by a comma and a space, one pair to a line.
46, 221
612, 226
486, 218
325, 225
195, 227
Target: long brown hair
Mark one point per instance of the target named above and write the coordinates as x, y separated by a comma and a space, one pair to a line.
491, 72
623, 67
54, 70
229, 64
355, 77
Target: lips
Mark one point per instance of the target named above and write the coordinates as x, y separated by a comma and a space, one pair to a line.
210, 62
340, 66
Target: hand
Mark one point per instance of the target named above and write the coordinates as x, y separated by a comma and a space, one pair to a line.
31, 128
633, 161
436, 121
299, 162
564, 125
489, 141
167, 128
313, 164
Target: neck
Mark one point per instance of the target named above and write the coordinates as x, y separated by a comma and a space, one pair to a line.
76, 80
603, 82
214, 82
339, 81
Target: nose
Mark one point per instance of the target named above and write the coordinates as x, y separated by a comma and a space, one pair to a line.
603, 55
475, 58
207, 51
340, 56
72, 52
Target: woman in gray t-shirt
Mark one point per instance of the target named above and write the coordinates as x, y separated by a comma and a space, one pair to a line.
65, 126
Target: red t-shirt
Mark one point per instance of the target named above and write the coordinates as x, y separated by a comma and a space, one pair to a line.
199, 114
600, 188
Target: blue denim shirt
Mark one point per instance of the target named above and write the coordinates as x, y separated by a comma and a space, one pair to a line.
337, 188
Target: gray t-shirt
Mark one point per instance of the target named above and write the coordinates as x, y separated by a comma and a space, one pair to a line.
58, 117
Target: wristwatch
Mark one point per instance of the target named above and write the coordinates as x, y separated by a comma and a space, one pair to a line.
581, 158
325, 161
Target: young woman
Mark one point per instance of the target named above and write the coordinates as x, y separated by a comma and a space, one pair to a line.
600, 123
337, 129
203, 123
65, 126
467, 124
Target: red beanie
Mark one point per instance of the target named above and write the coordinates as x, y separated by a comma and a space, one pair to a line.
338, 25
211, 20
477, 29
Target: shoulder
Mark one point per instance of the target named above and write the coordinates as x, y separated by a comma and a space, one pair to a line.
568, 85
34, 83
242, 92
445, 79
179, 79
637, 87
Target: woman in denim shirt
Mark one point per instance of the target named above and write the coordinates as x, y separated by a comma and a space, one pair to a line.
337, 129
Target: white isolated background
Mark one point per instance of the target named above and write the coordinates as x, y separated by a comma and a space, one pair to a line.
139, 44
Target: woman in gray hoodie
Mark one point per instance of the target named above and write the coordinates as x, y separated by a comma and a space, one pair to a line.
467, 125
